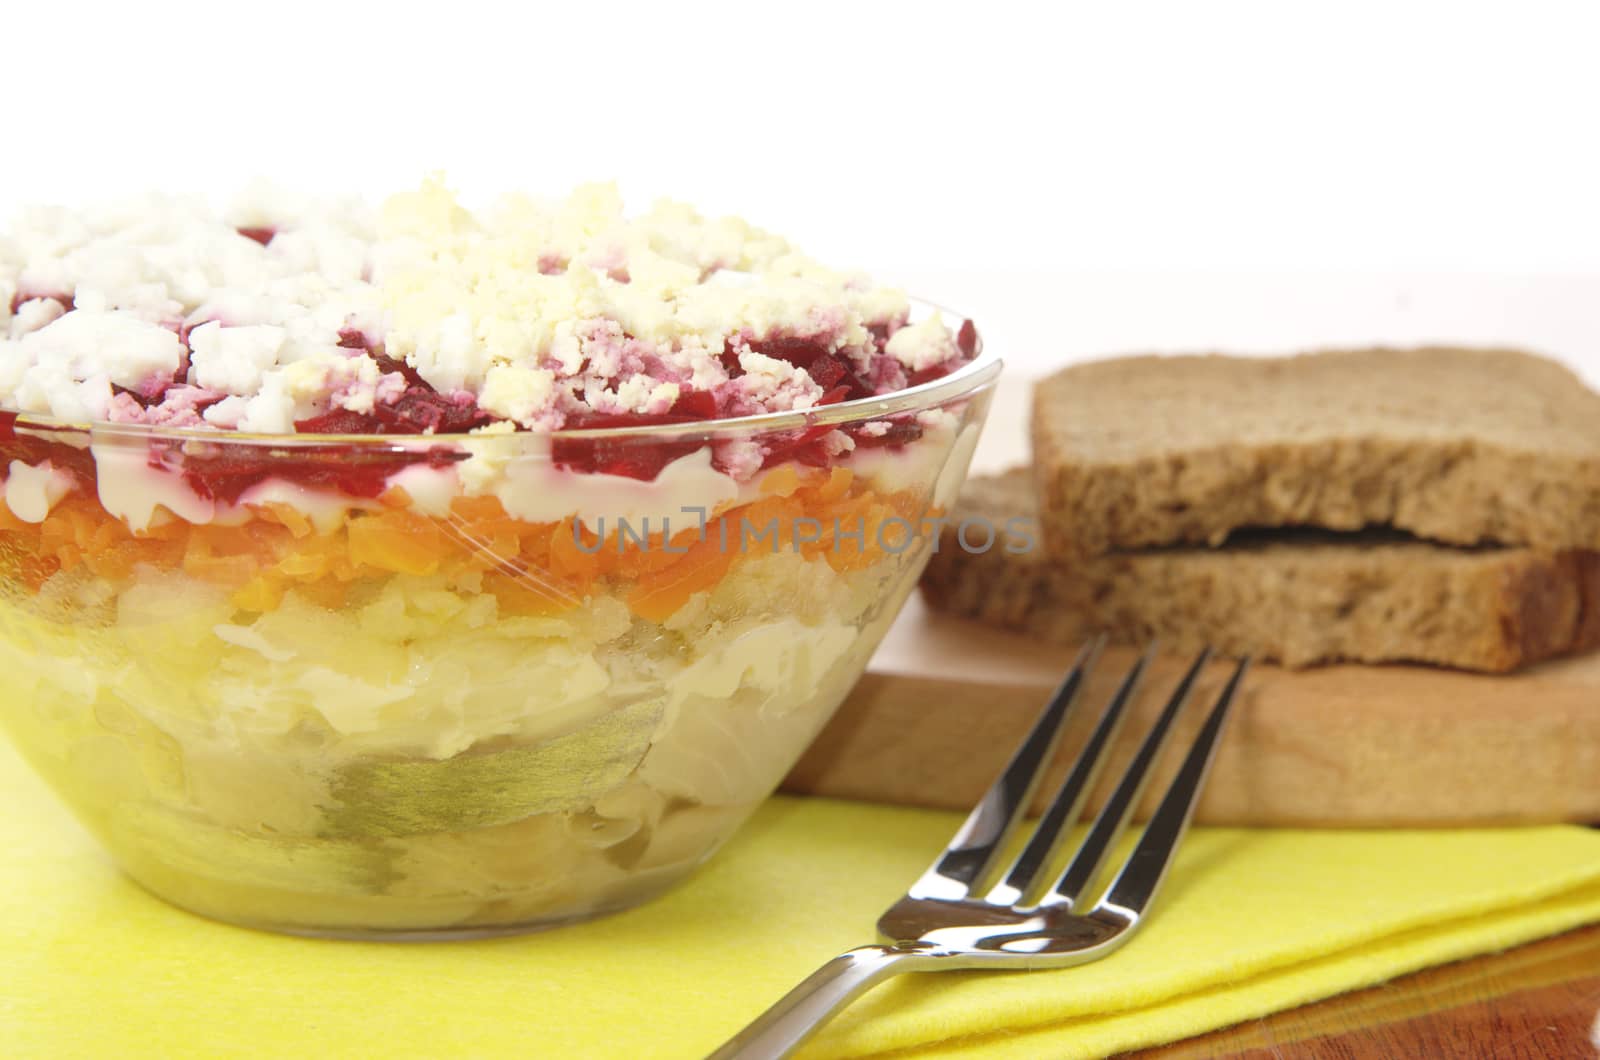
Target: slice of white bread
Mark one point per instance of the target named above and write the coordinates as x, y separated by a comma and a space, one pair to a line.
1460, 446
1289, 597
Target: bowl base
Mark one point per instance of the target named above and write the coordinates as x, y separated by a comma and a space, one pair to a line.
190, 895
402, 935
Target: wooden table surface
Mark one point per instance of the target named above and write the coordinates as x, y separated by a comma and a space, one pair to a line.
1536, 1002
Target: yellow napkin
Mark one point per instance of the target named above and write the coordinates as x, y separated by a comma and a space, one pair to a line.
1250, 922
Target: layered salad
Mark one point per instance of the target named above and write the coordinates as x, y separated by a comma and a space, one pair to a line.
427, 569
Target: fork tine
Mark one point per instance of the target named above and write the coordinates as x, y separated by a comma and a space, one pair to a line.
1113, 818
972, 852
1136, 883
1065, 808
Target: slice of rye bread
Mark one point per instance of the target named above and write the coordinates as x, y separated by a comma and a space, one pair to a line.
1294, 597
1454, 445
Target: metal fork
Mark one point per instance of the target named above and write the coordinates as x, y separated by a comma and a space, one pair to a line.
969, 911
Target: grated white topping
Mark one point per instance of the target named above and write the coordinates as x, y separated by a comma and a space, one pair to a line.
160, 310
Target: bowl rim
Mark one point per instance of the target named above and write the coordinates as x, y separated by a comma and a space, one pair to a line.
976, 374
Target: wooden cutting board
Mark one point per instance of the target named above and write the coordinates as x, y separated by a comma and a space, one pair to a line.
945, 701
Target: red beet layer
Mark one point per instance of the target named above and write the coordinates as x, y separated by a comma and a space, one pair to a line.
227, 470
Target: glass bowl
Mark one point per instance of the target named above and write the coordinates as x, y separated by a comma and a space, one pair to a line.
450, 685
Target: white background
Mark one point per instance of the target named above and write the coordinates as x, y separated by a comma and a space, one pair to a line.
1086, 179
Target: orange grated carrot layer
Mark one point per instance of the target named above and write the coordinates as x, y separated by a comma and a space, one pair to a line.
530, 568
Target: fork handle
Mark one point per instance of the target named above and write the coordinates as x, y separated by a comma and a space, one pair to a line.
779, 1031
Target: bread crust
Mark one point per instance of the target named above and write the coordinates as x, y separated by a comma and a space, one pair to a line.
1295, 598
